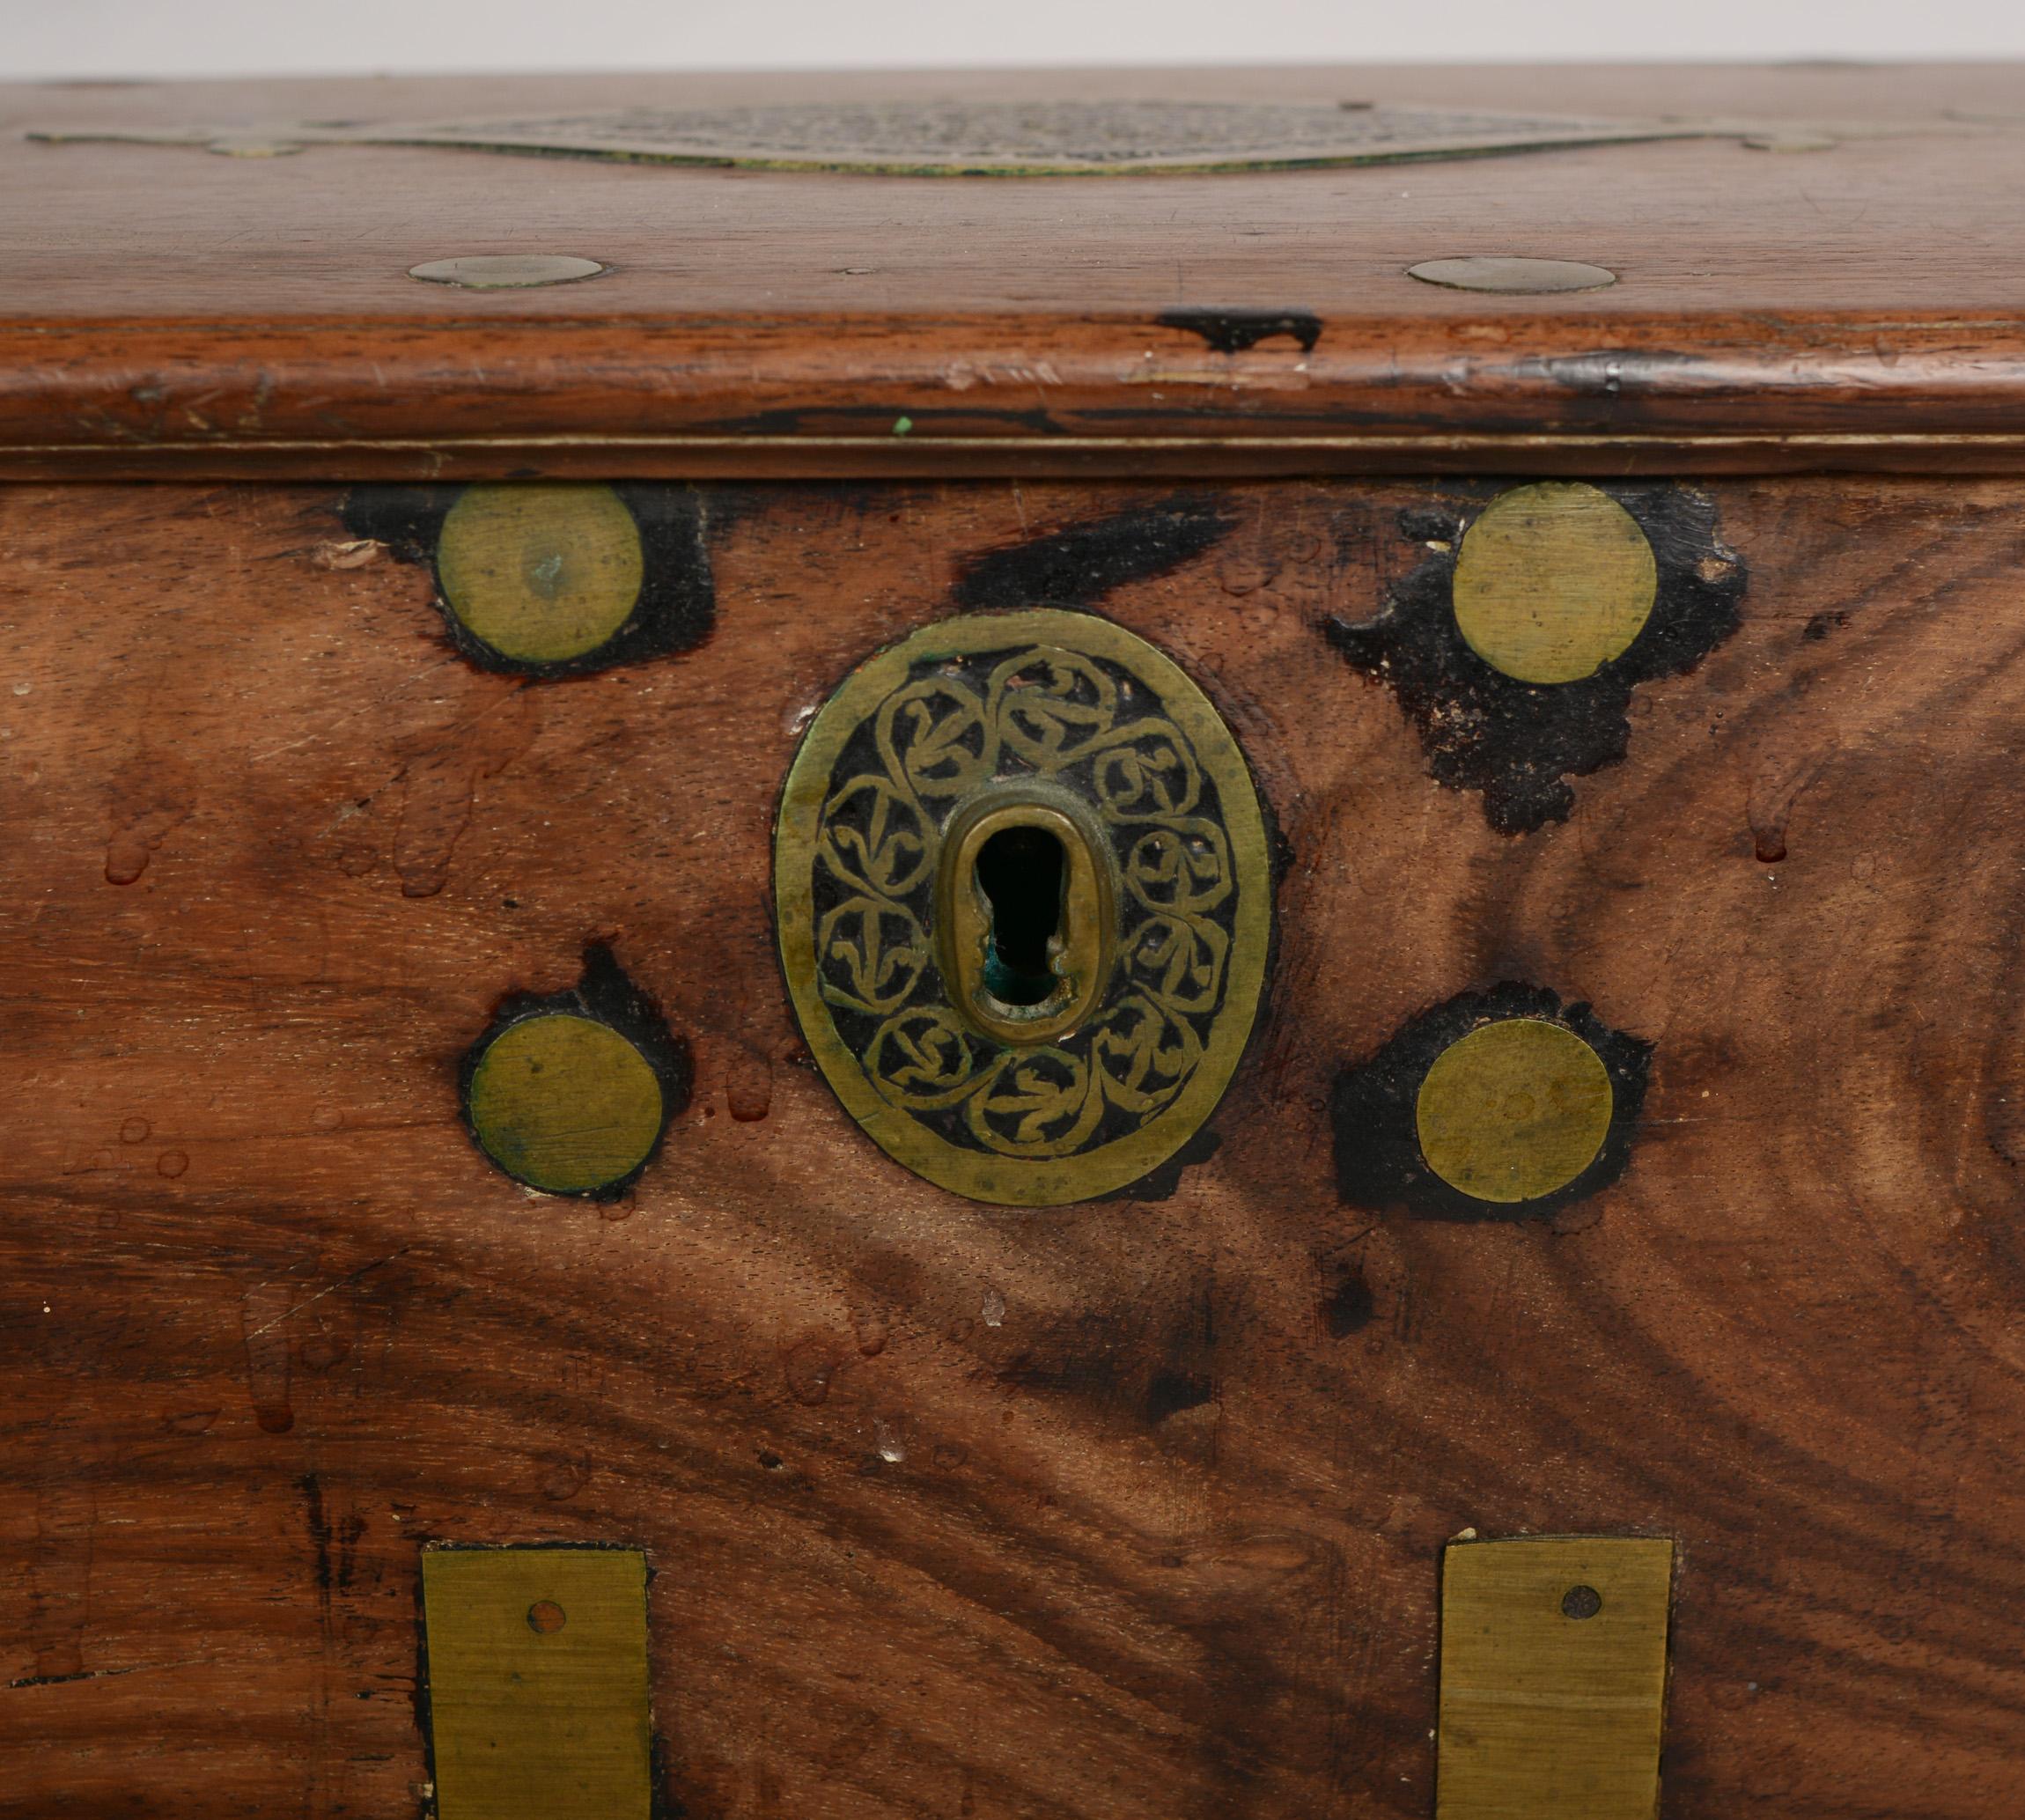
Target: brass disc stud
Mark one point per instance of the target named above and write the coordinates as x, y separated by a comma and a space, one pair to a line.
1516, 1110
1553, 582
565, 1103
541, 572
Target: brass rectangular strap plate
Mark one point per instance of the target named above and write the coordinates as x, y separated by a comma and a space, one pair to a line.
1553, 1678
537, 1671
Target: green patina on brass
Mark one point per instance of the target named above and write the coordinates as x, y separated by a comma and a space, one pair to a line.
565, 1103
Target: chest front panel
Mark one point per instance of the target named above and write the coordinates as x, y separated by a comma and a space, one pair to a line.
1128, 1506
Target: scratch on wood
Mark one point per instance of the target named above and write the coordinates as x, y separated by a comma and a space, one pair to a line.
330, 1289
188, 1661
1778, 786
262, 1308
440, 779
60, 1571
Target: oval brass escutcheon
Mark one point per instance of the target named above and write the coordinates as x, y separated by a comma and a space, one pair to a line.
1024, 903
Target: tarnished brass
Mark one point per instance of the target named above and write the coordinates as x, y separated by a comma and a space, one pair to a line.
499, 271
1553, 1677
542, 571
537, 1665
1054, 721
565, 1103
1082, 951
969, 138
1553, 581
1516, 1110
1515, 277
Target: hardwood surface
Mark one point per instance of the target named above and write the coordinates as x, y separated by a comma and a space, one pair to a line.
1125, 1511
166, 311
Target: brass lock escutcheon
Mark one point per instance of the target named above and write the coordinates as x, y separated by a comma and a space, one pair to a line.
1024, 903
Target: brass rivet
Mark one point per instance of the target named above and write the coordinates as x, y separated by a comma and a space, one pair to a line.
1514, 1110
565, 1103
1553, 581
506, 271
541, 572
1581, 1601
1518, 277
545, 1618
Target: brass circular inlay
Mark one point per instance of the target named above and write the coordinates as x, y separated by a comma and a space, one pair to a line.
1553, 581
1047, 724
504, 271
540, 571
565, 1103
1514, 1110
1511, 276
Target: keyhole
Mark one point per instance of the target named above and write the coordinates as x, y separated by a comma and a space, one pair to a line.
1029, 923
1019, 871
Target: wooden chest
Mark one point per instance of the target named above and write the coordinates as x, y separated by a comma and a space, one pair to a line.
1107, 947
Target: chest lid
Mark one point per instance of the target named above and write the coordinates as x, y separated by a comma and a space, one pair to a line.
1584, 270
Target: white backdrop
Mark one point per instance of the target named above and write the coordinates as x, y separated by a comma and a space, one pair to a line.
118, 38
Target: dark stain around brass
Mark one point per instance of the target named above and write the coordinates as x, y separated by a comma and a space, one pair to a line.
661, 530
1516, 743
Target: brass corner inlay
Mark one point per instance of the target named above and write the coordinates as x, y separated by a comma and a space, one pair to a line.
1553, 1677
537, 1666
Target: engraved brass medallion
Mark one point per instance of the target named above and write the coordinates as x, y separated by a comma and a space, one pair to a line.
976, 137
1071, 735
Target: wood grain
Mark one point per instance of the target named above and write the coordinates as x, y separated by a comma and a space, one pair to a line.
1125, 1511
164, 311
